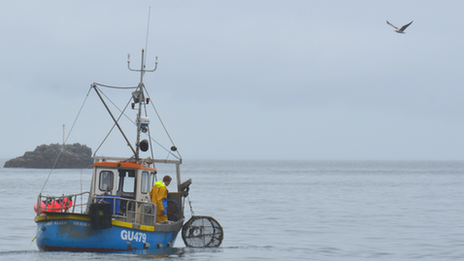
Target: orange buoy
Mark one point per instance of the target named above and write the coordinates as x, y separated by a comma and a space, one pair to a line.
54, 205
43, 206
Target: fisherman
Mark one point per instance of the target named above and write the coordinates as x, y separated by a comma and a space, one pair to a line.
159, 197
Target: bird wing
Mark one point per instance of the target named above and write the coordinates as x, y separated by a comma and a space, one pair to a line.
392, 25
405, 26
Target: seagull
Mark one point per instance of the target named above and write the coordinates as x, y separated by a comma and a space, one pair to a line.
401, 30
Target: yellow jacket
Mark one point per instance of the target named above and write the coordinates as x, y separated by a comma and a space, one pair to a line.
159, 197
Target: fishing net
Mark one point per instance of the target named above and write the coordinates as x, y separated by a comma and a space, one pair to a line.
202, 231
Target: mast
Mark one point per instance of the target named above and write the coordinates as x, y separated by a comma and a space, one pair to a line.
139, 97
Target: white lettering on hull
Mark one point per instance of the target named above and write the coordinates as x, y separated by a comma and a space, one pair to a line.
133, 236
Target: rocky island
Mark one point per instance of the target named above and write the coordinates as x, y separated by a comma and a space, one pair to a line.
44, 156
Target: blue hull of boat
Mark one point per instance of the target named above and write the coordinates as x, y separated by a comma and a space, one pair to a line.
76, 234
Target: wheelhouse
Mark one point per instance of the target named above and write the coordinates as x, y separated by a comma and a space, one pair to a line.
128, 180
126, 185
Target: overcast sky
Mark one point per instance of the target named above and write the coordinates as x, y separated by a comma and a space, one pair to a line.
267, 79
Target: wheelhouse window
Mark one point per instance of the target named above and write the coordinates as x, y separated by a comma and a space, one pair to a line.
127, 182
147, 181
106, 180
152, 179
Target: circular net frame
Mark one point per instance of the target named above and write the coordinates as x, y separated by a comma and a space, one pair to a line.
202, 231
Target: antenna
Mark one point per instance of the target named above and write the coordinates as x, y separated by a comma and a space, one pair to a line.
148, 30
144, 54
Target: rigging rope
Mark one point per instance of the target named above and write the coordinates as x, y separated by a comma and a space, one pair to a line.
133, 122
114, 125
162, 124
77, 117
69, 134
122, 111
191, 209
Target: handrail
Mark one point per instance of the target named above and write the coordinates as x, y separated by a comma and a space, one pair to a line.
64, 204
136, 212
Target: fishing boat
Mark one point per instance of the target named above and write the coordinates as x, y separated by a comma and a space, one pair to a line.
117, 214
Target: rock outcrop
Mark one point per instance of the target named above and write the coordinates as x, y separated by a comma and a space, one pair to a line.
44, 156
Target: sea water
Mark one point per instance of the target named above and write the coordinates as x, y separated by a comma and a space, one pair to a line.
280, 210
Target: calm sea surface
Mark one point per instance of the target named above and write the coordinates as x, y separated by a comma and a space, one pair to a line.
281, 210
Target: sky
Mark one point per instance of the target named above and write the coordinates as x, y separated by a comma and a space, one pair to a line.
261, 79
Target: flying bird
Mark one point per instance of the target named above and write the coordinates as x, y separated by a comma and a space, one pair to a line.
401, 30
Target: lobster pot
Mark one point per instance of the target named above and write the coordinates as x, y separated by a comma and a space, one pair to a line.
202, 231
